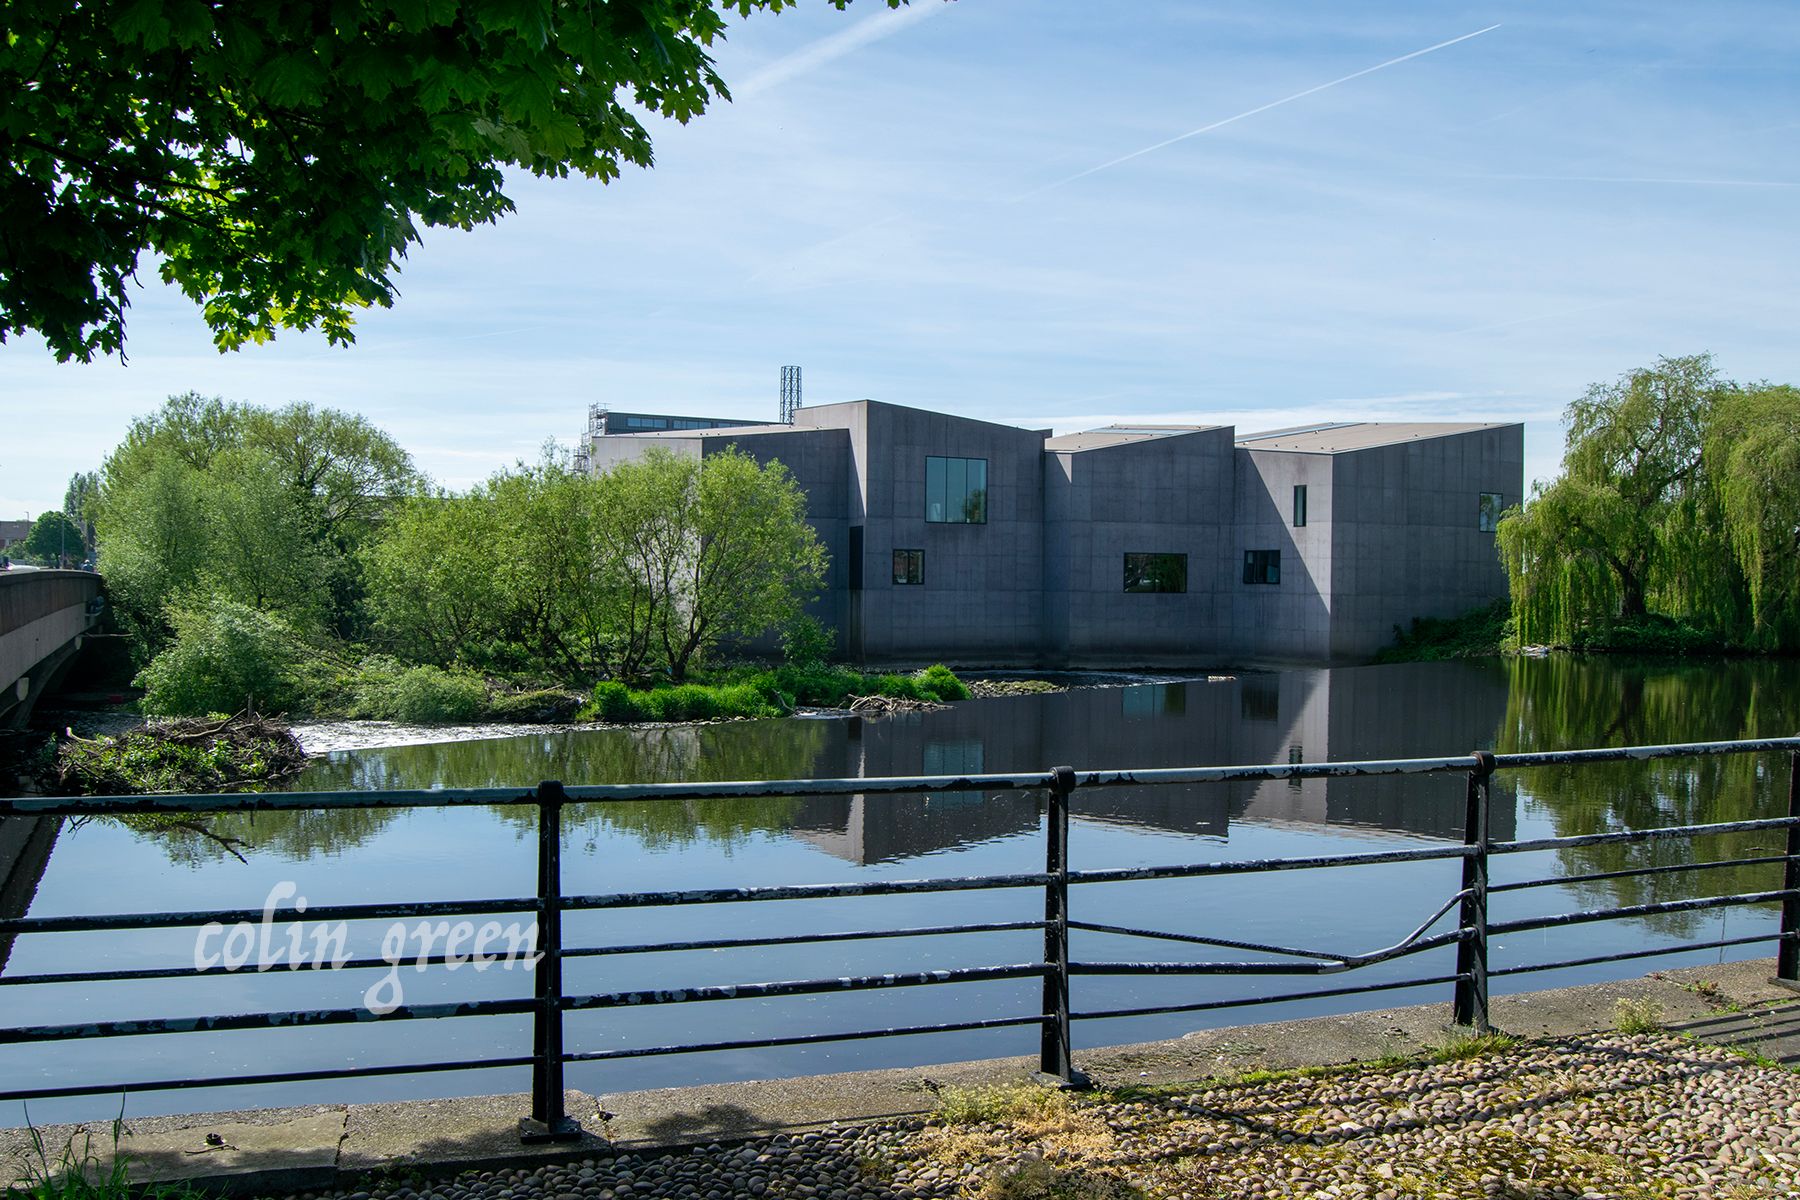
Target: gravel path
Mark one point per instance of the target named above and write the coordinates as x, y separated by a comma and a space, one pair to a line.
1597, 1117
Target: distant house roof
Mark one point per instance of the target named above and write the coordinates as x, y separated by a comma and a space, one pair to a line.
1118, 435
1340, 436
14, 531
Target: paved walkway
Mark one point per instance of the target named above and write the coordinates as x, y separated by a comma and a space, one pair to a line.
327, 1150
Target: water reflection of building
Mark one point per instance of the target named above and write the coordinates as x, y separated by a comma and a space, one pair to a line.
1250, 718
25, 845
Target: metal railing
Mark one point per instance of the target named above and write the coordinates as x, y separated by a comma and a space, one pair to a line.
549, 1051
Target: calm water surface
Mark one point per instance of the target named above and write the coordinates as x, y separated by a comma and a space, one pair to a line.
1306, 715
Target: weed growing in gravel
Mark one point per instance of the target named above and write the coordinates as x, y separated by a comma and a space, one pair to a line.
1631, 1017
975, 1106
1035, 1179
1461, 1046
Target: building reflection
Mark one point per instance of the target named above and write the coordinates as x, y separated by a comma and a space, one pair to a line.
1246, 718
25, 845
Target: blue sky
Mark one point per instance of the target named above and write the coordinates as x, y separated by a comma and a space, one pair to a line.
947, 207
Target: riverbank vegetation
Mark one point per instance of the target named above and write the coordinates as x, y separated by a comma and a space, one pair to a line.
195, 755
293, 561
1674, 524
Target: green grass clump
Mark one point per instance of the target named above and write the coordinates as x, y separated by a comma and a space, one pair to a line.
769, 693
1471, 1045
1637, 1016
384, 690
76, 1173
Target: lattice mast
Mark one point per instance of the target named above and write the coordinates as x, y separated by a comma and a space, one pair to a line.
790, 394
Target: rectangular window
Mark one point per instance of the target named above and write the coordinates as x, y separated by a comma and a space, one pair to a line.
1262, 566
1487, 512
1156, 572
909, 566
1299, 505
956, 491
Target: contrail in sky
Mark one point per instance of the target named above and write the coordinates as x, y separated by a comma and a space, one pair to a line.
1311, 91
829, 49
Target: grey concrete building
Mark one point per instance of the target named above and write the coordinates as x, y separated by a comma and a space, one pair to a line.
986, 544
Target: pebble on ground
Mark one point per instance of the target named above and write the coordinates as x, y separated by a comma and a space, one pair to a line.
1608, 1117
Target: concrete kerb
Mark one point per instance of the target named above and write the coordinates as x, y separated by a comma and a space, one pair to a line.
271, 1151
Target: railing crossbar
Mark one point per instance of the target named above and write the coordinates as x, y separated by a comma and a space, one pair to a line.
1251, 1001
800, 939
1627, 955
403, 910
1253, 866
232, 1022
1636, 872
165, 1085
1338, 967
1642, 835
807, 1039
801, 891
1629, 911
802, 987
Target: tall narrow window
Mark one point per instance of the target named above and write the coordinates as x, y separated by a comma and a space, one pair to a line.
1487, 512
1299, 505
909, 566
1262, 566
1156, 572
956, 491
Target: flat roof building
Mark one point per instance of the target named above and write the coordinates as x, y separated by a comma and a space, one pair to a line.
974, 542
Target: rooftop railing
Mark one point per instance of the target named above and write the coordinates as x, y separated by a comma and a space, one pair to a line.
549, 1051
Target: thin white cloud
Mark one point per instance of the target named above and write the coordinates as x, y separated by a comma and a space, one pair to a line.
827, 50
1261, 108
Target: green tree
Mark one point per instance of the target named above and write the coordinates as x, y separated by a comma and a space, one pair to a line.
1752, 456
266, 507
433, 590
224, 657
705, 550
79, 500
279, 159
52, 539
1625, 524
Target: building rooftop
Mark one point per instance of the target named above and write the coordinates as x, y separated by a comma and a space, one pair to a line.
711, 431
1335, 437
1118, 435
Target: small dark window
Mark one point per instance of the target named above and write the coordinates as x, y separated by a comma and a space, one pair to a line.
1262, 566
956, 491
1156, 572
1487, 512
909, 566
1299, 505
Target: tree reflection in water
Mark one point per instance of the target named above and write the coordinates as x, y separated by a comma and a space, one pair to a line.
1563, 703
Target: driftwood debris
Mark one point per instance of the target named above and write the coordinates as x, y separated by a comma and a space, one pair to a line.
881, 706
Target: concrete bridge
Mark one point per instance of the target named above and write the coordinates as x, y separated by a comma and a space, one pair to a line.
44, 615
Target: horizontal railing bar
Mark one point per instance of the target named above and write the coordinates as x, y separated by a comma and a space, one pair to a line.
1558, 758
1197, 940
801, 891
164, 1085
1634, 910
409, 961
803, 1039
1641, 835
797, 939
1636, 871
1316, 994
625, 793
1256, 865
262, 1020
803, 987
1596, 959
254, 916
1347, 963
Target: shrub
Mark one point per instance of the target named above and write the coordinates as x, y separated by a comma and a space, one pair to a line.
225, 656
611, 702
939, 682
807, 642
432, 695
385, 690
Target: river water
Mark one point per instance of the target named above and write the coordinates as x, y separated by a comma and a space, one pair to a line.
1300, 715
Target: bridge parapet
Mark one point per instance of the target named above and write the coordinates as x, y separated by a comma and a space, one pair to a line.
43, 617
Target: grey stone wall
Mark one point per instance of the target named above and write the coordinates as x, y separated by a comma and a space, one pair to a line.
1291, 619
1168, 495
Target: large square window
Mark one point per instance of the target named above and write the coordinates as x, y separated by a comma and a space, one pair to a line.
909, 566
1262, 566
1487, 512
956, 491
1156, 572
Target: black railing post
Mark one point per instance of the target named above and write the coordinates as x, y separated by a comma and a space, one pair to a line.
548, 1122
1787, 957
1471, 1006
1054, 1064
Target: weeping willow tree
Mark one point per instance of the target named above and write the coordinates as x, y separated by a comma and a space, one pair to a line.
1752, 457
1630, 525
